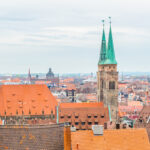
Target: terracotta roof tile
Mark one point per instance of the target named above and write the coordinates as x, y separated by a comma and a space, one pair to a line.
77, 105
22, 99
123, 139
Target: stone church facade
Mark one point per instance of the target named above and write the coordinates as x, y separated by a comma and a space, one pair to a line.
107, 76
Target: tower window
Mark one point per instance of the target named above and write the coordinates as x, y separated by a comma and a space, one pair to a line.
112, 85
102, 84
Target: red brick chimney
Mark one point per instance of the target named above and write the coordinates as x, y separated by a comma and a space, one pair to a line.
67, 138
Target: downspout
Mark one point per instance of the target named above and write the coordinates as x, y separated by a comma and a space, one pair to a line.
57, 114
109, 112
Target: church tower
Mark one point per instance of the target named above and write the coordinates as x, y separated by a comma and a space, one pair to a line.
107, 76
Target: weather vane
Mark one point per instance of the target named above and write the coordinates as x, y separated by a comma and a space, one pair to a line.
109, 19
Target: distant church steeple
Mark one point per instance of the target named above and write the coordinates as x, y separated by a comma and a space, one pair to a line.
29, 75
107, 76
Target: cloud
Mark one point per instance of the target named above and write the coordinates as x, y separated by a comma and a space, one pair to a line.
73, 30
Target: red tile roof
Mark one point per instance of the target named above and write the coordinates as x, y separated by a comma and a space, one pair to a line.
26, 98
123, 139
77, 105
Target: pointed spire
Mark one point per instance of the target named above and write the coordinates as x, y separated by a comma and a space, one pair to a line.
29, 75
102, 57
110, 49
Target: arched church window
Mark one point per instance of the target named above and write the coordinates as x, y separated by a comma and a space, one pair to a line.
112, 85
103, 84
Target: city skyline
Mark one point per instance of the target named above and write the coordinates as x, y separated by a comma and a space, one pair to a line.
66, 36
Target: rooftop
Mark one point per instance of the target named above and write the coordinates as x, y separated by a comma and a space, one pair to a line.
122, 139
26, 100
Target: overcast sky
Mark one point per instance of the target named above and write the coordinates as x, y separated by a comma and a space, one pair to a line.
66, 34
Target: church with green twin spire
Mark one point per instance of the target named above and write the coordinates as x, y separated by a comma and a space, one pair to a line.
107, 54
107, 76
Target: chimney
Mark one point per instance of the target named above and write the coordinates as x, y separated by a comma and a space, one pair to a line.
97, 129
67, 138
73, 129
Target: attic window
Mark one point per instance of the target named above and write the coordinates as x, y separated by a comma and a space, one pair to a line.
42, 112
62, 117
89, 123
96, 123
29, 112
33, 106
39, 93
13, 94
76, 123
33, 100
8, 101
102, 116
51, 111
83, 123
45, 100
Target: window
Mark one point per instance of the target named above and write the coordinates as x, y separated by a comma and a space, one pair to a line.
83, 123
102, 84
89, 116
89, 123
102, 116
42, 112
29, 112
96, 123
112, 85
62, 117
76, 123
69, 116
95, 116
76, 116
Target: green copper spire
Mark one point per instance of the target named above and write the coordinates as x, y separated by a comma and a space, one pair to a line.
102, 57
110, 54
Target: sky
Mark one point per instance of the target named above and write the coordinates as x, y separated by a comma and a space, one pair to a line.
66, 35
